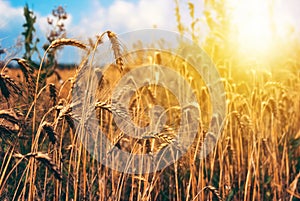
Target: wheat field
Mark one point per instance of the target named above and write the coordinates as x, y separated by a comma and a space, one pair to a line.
43, 156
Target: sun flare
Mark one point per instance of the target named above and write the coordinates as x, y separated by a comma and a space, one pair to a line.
256, 25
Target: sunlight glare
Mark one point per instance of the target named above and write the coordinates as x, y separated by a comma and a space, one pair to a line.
253, 24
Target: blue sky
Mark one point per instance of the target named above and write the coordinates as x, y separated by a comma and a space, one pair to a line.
90, 17
75, 7
87, 18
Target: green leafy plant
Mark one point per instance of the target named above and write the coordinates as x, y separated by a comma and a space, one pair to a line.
29, 35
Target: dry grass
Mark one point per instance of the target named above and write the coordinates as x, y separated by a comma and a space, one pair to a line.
43, 158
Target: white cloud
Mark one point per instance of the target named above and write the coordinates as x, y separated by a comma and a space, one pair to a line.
123, 16
9, 15
144, 14
92, 23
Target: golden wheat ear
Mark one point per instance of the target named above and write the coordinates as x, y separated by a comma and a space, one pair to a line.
53, 93
71, 42
116, 47
28, 73
10, 115
45, 159
49, 130
214, 191
5, 83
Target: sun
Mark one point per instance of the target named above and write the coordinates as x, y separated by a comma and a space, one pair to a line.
257, 25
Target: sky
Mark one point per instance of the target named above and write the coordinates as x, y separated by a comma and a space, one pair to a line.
87, 18
90, 17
